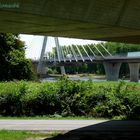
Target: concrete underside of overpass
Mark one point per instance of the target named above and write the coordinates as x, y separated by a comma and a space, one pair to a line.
111, 20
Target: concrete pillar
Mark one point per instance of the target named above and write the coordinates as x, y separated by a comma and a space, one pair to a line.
62, 68
41, 70
112, 70
134, 72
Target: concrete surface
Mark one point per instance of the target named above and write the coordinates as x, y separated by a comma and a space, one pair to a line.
46, 125
78, 129
113, 20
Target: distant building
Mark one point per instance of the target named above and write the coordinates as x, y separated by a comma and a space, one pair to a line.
133, 54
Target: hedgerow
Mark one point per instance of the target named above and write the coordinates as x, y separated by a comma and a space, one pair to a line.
70, 98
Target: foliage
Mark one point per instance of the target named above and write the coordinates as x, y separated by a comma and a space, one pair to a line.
14, 65
51, 71
70, 98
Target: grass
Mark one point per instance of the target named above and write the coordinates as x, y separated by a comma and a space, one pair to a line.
57, 117
23, 135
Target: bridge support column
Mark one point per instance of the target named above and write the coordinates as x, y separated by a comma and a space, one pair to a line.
62, 68
134, 72
112, 70
41, 69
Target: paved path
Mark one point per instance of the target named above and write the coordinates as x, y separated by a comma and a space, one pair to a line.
46, 125
79, 129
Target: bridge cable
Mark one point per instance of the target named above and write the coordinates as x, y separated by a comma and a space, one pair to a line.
99, 51
80, 53
91, 51
62, 52
74, 54
57, 48
66, 50
106, 50
70, 52
86, 53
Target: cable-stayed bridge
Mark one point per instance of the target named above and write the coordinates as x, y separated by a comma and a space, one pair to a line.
98, 59
74, 55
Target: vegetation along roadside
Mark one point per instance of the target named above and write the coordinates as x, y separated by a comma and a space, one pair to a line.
70, 99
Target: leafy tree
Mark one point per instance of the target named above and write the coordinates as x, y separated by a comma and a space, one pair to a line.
121, 48
13, 63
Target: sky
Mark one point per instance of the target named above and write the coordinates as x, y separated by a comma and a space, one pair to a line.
34, 44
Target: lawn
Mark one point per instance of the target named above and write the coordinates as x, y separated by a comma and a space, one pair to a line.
24, 135
52, 117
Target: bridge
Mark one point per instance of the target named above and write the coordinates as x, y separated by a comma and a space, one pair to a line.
109, 20
73, 55
90, 59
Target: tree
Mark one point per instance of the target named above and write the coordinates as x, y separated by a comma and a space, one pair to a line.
13, 63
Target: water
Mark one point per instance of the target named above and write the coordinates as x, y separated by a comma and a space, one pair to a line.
95, 79
84, 78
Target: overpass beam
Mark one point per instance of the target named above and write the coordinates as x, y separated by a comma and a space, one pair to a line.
112, 70
134, 72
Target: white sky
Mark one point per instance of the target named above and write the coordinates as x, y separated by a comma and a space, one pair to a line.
34, 44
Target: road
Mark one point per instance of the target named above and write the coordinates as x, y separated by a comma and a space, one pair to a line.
47, 125
79, 129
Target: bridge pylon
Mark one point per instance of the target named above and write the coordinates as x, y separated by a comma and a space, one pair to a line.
41, 69
59, 54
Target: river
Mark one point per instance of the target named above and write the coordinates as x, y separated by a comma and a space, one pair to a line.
75, 77
81, 78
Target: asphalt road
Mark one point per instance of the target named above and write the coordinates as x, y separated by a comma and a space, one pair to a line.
47, 125
79, 129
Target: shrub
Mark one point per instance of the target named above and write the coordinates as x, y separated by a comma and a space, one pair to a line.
70, 98
10, 98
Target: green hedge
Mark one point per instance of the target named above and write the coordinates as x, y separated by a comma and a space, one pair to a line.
70, 98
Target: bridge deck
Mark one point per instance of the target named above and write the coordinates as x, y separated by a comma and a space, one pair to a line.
72, 60
112, 20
